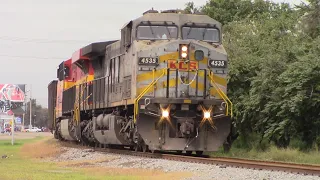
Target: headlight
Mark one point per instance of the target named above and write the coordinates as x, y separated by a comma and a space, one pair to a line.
184, 55
165, 113
183, 50
206, 114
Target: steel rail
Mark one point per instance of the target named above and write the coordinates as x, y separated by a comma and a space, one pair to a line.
305, 169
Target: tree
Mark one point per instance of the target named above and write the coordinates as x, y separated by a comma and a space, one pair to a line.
191, 8
226, 11
273, 68
310, 22
39, 115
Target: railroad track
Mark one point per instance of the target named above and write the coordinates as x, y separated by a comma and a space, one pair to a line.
223, 162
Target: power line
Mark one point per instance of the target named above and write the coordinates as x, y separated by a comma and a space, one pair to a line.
31, 40
31, 57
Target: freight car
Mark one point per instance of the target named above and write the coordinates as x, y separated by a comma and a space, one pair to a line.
162, 86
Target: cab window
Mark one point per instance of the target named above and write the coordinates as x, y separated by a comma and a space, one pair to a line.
157, 32
66, 71
201, 33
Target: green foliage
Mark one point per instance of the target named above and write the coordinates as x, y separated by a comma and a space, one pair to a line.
311, 19
274, 70
251, 141
40, 115
191, 8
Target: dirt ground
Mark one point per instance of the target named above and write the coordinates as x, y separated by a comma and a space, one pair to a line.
50, 148
25, 135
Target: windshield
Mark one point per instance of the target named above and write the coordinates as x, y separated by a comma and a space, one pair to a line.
157, 32
205, 34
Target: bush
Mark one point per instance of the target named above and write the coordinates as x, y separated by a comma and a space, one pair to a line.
250, 142
318, 142
297, 143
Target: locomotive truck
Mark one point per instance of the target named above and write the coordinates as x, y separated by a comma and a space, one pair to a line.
162, 86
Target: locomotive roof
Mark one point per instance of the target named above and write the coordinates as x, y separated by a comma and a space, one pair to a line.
177, 18
96, 48
91, 50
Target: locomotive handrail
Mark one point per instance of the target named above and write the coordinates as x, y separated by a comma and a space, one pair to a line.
54, 119
77, 103
154, 81
222, 94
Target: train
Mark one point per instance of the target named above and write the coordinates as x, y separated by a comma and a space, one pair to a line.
161, 87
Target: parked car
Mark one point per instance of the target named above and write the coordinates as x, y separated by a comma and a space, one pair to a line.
8, 129
33, 129
24, 129
44, 129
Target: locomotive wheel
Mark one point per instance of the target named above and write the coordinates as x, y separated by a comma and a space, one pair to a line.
141, 147
144, 148
136, 148
60, 137
179, 152
188, 152
55, 135
199, 153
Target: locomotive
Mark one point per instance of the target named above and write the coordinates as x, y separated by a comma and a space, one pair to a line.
162, 86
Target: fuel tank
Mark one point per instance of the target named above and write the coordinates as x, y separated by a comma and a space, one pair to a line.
106, 129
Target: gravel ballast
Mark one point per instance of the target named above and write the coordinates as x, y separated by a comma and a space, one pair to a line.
199, 171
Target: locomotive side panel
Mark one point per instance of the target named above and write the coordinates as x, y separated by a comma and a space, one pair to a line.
112, 61
107, 75
118, 76
59, 99
52, 96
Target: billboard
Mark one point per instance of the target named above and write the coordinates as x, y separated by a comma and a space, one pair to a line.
12, 97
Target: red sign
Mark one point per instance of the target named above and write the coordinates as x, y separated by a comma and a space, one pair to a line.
11, 96
191, 65
11, 92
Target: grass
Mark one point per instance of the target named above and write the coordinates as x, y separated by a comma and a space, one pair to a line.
19, 167
272, 153
28, 159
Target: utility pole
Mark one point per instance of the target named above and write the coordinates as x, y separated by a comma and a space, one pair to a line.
30, 126
25, 102
23, 121
12, 130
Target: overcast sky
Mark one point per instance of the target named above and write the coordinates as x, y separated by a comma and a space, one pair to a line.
36, 35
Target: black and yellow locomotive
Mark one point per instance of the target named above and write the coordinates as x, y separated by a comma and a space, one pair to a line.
162, 86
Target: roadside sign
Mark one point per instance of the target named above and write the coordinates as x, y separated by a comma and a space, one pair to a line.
18, 120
